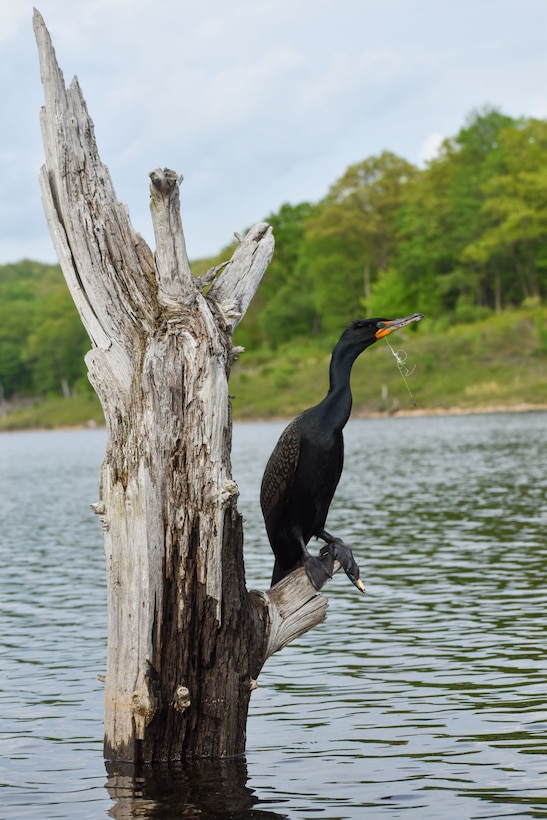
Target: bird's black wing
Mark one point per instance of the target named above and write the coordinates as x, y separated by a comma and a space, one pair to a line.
278, 477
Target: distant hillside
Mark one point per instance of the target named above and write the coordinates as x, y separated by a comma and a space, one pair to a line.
463, 240
498, 363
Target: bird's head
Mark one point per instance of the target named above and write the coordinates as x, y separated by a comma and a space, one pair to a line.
364, 332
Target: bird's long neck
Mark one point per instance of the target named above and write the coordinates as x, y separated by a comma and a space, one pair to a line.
338, 400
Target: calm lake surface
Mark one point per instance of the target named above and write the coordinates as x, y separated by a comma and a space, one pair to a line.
426, 699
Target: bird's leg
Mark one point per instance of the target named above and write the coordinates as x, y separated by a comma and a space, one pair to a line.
319, 570
336, 549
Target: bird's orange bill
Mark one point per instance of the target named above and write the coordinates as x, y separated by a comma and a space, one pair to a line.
390, 325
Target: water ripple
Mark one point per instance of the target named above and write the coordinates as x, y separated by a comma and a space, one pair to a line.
424, 699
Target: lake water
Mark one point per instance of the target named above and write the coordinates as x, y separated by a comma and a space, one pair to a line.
426, 699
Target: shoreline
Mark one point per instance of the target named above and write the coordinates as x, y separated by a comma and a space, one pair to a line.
387, 414
478, 410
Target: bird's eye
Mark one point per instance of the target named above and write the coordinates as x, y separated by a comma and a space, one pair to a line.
381, 324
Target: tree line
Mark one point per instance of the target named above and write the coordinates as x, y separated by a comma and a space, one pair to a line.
460, 238
42, 340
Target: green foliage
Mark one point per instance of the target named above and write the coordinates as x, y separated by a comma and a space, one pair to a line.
42, 340
465, 236
496, 361
352, 238
489, 188
337, 286
516, 205
461, 239
83, 410
283, 306
289, 312
390, 296
541, 330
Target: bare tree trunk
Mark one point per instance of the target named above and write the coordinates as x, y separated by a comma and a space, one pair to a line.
186, 640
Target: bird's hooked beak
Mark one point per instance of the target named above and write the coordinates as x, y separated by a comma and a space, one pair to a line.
387, 327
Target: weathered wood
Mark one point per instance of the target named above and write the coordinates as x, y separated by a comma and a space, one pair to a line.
292, 607
186, 641
172, 266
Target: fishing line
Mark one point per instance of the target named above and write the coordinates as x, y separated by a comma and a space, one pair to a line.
400, 358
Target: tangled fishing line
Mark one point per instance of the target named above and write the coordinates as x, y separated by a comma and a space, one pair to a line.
400, 358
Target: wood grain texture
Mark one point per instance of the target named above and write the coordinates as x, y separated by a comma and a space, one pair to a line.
186, 640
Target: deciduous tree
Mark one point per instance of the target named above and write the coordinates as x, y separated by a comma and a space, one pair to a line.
353, 237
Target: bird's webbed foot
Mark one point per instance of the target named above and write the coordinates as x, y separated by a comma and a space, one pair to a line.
319, 570
337, 550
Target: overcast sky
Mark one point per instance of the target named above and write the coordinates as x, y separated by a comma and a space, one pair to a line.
256, 102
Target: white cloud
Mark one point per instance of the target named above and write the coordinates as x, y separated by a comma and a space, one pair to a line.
256, 103
430, 147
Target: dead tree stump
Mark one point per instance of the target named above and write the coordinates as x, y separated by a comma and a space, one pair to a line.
186, 640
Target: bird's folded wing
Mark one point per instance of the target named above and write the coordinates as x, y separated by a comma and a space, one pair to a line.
279, 473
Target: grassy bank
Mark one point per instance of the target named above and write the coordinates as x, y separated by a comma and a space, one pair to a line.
498, 362
50, 413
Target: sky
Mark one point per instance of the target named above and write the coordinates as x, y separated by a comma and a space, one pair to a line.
256, 102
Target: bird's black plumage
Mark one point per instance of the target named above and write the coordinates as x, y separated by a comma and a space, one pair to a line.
305, 466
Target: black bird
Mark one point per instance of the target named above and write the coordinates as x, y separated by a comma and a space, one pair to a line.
305, 466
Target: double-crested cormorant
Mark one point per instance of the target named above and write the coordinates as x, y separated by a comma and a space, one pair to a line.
304, 469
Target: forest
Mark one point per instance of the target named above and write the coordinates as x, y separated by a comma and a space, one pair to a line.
461, 239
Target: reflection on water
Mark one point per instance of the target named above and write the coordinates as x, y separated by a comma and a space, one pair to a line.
208, 789
425, 699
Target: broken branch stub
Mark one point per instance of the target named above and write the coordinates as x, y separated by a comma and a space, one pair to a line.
172, 266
